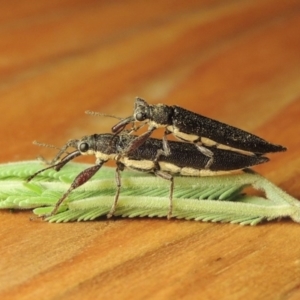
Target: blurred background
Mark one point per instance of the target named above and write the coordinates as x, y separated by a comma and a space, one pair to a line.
235, 61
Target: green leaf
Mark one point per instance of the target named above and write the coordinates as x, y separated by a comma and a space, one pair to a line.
209, 199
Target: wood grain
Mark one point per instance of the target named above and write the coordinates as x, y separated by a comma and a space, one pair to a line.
235, 61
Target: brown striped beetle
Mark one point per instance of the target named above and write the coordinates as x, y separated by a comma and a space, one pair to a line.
205, 133
184, 159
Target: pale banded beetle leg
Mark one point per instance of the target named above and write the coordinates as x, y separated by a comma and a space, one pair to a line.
120, 167
166, 151
169, 177
207, 153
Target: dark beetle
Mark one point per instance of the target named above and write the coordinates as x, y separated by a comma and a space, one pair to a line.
188, 126
184, 159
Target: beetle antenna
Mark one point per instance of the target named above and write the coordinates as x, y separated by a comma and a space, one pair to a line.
98, 114
36, 143
61, 151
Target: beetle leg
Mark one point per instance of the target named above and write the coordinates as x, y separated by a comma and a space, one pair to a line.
135, 128
57, 166
80, 179
166, 147
171, 179
165, 150
119, 168
207, 153
139, 141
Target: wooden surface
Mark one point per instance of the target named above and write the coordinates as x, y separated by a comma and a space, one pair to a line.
235, 61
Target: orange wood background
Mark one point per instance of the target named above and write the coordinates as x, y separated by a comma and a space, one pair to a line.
235, 61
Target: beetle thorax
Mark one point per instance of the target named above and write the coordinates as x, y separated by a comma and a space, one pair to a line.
160, 115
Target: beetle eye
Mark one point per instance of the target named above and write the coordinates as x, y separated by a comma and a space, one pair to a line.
140, 116
84, 147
